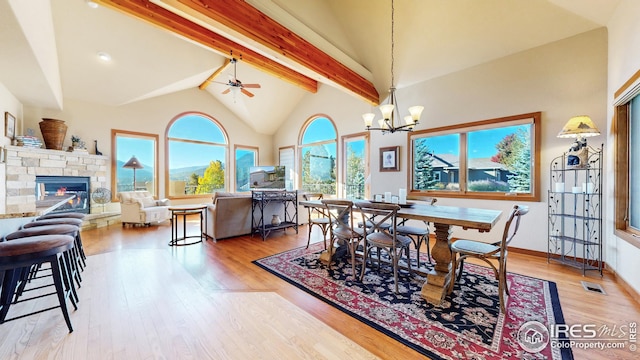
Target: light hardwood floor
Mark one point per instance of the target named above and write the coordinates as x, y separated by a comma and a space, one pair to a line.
143, 299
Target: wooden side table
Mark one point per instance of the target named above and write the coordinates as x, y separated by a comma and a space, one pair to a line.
184, 210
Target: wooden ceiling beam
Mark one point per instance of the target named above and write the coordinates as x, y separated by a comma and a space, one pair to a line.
157, 15
250, 22
214, 75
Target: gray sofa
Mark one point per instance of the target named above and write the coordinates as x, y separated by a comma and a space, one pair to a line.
230, 215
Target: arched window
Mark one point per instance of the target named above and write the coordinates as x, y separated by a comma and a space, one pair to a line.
318, 145
197, 153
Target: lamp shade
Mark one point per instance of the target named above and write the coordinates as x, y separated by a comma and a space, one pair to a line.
579, 127
133, 163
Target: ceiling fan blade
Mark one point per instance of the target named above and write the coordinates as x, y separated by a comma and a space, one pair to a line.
254, 86
246, 93
226, 91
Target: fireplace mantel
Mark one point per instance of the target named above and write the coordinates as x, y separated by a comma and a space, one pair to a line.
24, 164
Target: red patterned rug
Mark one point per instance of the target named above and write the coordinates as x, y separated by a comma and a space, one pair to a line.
467, 325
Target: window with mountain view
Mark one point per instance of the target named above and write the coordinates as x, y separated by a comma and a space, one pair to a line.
318, 156
246, 157
197, 156
486, 159
144, 147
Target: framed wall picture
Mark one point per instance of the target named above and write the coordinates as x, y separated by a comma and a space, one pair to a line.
389, 160
9, 125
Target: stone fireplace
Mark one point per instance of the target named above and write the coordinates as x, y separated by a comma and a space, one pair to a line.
25, 165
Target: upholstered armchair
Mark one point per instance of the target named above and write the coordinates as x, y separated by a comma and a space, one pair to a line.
139, 207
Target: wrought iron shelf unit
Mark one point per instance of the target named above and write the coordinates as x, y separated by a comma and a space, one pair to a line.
575, 211
288, 209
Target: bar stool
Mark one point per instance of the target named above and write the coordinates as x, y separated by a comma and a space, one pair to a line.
62, 215
22, 253
68, 221
70, 260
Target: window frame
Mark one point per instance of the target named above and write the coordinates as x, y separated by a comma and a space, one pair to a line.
345, 139
301, 147
236, 147
291, 176
463, 130
115, 133
227, 155
621, 123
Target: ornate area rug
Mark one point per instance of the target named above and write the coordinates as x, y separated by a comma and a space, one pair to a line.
467, 325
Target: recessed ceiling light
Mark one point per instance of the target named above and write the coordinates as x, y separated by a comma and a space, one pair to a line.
104, 56
92, 4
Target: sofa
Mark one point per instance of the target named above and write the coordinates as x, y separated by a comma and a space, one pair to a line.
140, 208
230, 215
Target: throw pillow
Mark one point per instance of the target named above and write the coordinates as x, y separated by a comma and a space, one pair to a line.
148, 201
163, 202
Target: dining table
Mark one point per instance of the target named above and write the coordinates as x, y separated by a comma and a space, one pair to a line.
444, 218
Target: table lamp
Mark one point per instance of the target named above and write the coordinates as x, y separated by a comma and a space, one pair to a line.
579, 127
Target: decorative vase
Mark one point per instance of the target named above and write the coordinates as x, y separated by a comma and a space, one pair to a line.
275, 221
53, 133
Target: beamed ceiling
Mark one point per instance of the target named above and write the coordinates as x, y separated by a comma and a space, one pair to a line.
289, 47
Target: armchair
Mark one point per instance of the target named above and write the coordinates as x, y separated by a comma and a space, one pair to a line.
139, 207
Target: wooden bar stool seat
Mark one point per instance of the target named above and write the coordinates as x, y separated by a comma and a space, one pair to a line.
27, 252
62, 215
56, 229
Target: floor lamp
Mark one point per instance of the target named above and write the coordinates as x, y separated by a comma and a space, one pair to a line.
134, 164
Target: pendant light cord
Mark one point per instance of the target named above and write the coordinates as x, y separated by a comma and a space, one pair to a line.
392, 43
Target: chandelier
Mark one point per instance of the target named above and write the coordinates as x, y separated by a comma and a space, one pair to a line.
388, 122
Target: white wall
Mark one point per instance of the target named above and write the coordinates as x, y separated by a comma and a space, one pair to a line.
624, 62
562, 79
10, 104
94, 122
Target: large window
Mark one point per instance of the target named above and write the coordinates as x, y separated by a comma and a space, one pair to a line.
627, 171
144, 147
355, 157
491, 159
196, 156
246, 157
287, 159
318, 156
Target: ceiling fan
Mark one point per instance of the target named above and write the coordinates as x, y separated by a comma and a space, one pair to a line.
234, 83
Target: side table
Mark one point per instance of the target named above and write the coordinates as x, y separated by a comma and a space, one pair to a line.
184, 210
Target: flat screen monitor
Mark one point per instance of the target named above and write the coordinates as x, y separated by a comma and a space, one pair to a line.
267, 177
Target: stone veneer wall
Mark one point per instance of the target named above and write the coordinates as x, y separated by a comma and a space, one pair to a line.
23, 164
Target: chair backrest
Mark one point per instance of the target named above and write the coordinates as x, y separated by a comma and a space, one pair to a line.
511, 227
378, 216
314, 212
340, 213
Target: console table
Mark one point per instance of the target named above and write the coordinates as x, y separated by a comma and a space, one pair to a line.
261, 199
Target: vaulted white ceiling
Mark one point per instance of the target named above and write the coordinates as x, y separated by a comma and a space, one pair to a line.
49, 47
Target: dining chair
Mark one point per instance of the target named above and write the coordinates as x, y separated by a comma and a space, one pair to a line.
377, 214
317, 217
418, 234
340, 214
488, 252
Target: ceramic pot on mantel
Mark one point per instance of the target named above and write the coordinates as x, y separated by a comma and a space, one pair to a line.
53, 133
